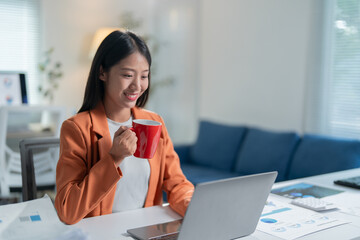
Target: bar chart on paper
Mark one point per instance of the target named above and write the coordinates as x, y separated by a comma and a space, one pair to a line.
33, 217
36, 219
30, 218
289, 222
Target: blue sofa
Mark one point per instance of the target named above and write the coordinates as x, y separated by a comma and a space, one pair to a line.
223, 151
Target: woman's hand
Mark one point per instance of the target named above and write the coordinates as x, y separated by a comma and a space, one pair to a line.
124, 144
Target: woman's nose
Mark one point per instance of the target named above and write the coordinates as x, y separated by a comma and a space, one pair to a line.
135, 85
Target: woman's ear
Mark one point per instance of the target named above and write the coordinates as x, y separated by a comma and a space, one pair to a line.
102, 75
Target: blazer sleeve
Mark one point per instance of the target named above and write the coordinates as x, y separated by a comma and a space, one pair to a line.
177, 187
80, 188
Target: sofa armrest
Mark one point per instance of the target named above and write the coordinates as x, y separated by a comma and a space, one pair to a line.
183, 152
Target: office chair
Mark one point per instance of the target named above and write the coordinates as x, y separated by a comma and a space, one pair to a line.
29, 147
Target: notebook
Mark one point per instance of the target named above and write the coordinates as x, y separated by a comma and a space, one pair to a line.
223, 209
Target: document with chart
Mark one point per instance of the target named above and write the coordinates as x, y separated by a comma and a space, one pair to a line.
289, 222
36, 219
349, 203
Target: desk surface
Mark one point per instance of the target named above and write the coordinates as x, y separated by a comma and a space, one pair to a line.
113, 226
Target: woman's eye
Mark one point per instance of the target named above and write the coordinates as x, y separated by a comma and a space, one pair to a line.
144, 77
127, 75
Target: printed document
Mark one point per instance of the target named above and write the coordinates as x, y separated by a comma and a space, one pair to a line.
35, 219
290, 222
347, 202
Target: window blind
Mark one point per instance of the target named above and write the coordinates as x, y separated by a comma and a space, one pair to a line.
20, 40
343, 113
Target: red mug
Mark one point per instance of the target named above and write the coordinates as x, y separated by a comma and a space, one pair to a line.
148, 134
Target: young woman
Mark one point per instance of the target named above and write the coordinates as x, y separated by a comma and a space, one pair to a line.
96, 173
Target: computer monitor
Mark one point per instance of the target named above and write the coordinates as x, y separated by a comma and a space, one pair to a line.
13, 88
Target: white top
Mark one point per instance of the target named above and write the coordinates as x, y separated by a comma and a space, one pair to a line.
132, 188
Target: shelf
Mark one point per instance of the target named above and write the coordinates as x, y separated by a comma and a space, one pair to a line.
29, 134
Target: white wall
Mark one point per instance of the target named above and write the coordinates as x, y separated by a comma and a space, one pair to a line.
254, 56
176, 24
238, 62
69, 26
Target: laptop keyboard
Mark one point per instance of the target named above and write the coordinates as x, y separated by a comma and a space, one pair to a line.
173, 236
353, 182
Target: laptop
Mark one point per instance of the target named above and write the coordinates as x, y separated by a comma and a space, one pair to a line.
222, 209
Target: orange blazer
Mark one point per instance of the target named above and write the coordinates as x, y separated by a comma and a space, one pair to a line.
86, 175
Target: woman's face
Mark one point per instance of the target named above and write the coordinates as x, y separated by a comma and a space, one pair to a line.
126, 81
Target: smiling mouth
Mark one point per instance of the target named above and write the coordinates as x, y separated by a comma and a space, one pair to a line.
131, 97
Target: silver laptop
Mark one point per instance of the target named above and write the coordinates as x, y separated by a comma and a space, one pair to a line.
223, 209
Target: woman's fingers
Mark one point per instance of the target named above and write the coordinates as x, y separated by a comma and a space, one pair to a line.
124, 143
120, 131
127, 135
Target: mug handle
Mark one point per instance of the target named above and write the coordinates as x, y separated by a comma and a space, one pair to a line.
132, 129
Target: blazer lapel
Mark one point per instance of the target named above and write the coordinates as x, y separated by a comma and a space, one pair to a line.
101, 129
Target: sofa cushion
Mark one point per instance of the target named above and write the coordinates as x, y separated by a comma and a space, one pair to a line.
264, 151
183, 151
197, 174
319, 154
217, 145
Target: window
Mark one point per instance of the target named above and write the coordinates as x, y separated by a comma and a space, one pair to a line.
20, 40
337, 104
344, 85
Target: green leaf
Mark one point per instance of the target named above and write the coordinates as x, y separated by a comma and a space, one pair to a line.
48, 52
41, 67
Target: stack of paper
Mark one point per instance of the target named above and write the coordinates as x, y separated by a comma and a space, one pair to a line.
36, 219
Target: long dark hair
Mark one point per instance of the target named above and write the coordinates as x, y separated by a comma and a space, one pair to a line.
115, 47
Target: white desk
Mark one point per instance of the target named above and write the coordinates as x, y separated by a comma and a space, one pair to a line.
115, 225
